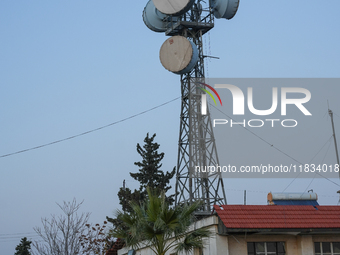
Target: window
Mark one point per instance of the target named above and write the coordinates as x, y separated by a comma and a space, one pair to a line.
266, 248
327, 248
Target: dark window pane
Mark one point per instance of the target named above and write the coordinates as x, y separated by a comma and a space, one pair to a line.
271, 247
251, 248
336, 247
259, 247
317, 247
281, 247
326, 247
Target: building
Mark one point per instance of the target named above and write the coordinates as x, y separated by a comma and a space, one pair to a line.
269, 230
279, 229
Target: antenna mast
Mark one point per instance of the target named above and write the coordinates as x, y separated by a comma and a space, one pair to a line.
187, 21
196, 145
330, 112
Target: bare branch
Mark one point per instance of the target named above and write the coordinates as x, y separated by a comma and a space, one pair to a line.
60, 235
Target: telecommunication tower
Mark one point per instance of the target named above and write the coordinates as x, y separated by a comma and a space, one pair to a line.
186, 21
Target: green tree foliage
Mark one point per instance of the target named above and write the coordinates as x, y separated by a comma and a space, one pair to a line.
125, 195
163, 228
24, 247
149, 175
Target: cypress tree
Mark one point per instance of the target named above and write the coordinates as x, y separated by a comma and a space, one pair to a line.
24, 247
150, 173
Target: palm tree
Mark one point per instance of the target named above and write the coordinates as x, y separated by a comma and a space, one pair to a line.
159, 226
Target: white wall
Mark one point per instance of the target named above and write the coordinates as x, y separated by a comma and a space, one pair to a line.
237, 244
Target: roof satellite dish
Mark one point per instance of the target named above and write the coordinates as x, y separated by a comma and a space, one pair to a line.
224, 8
178, 55
173, 7
153, 18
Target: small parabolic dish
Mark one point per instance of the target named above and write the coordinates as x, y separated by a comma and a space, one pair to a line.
153, 18
178, 55
225, 8
173, 7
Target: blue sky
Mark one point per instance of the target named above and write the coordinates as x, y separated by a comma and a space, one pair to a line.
67, 67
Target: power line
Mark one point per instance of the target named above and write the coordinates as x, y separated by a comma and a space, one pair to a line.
309, 162
27, 233
90, 131
273, 146
259, 137
321, 163
16, 237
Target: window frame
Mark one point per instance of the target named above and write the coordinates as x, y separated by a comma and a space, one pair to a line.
266, 248
321, 248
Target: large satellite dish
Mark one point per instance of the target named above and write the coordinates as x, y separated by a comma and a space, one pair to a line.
178, 55
224, 8
153, 18
173, 7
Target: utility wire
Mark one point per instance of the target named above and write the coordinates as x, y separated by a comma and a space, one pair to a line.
272, 145
309, 162
16, 237
321, 164
259, 137
90, 131
14, 234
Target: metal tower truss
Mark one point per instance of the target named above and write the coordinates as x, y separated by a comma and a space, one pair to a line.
197, 147
197, 19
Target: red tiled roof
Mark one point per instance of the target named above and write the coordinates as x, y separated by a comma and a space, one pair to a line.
117, 245
278, 216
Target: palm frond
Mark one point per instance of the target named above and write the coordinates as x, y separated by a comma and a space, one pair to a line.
193, 240
160, 226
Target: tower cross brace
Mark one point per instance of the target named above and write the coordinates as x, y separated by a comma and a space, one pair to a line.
196, 145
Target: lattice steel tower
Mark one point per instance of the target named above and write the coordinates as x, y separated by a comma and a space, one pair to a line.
187, 21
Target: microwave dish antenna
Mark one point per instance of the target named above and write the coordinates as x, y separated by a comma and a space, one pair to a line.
173, 7
224, 8
153, 18
178, 55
